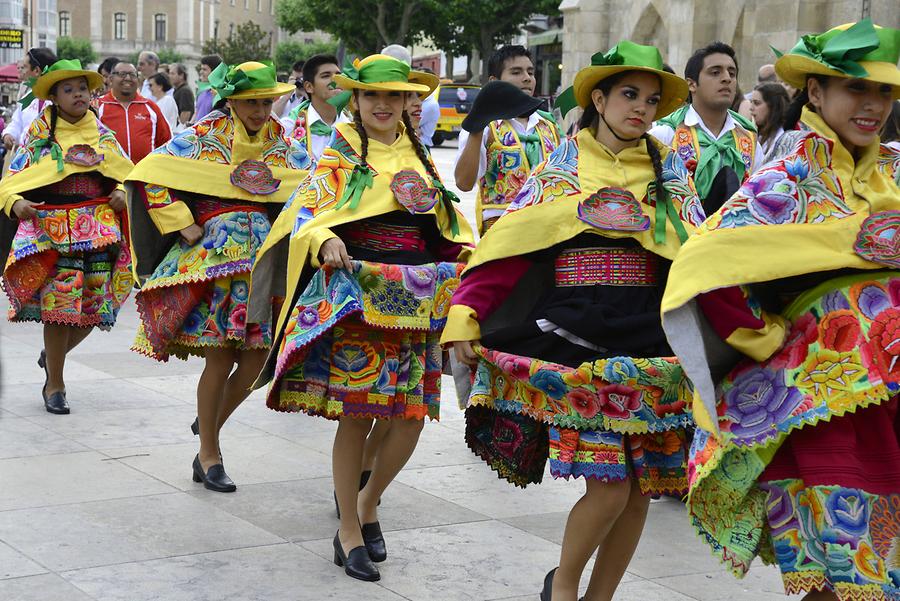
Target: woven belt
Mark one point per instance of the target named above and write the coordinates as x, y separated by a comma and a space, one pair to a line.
383, 237
207, 209
606, 266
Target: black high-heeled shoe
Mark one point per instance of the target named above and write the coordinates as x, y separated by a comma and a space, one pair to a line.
357, 563
214, 478
547, 591
374, 540
363, 479
55, 403
195, 427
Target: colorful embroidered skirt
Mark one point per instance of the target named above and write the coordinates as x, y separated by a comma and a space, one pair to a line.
197, 296
70, 264
768, 487
366, 344
609, 419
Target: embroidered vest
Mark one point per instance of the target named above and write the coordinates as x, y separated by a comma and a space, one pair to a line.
507, 165
687, 145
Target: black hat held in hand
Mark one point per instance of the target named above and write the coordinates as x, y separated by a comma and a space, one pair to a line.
499, 100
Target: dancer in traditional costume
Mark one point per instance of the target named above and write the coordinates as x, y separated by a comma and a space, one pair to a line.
798, 459
498, 153
211, 193
69, 262
563, 293
374, 256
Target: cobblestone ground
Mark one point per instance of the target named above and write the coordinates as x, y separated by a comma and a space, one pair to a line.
99, 505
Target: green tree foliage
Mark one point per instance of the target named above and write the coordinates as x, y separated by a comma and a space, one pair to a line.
248, 43
75, 48
365, 26
289, 52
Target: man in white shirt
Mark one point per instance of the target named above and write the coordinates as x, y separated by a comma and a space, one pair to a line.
284, 106
313, 122
148, 66
431, 113
33, 63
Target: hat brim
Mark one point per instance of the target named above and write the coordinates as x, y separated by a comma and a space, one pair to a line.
279, 90
673, 95
345, 83
794, 69
425, 79
41, 88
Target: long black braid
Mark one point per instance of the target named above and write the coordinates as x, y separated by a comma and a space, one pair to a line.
656, 159
420, 148
363, 136
54, 116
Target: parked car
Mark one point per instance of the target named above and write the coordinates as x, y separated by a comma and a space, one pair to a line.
455, 99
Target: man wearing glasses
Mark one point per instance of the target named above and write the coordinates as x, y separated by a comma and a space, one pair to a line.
139, 125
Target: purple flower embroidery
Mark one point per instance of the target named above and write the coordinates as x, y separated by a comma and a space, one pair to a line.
758, 401
308, 318
772, 197
419, 280
835, 301
847, 512
872, 301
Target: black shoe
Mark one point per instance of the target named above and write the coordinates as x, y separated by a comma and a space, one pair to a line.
547, 591
357, 563
374, 540
195, 427
56, 402
215, 477
363, 479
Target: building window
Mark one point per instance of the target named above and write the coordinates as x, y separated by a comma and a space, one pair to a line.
159, 27
259, 6
65, 23
119, 21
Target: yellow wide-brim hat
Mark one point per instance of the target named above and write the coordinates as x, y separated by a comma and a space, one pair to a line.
62, 70
247, 81
378, 72
425, 79
860, 50
628, 56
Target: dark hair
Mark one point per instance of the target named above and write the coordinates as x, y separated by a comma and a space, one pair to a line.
738, 98
211, 60
776, 99
180, 69
497, 61
39, 58
363, 136
161, 80
695, 63
668, 69
795, 109
420, 148
891, 131
298, 66
109, 63
311, 67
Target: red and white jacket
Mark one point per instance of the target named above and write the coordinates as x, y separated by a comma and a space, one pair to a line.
139, 126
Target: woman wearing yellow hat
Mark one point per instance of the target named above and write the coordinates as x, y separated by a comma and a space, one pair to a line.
580, 372
201, 206
784, 310
374, 244
69, 264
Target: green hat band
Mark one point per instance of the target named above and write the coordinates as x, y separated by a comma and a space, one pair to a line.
629, 54
842, 50
228, 80
60, 65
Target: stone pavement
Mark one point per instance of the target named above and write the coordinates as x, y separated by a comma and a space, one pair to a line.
99, 505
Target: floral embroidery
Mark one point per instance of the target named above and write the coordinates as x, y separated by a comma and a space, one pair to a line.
412, 192
613, 209
255, 177
878, 240
83, 154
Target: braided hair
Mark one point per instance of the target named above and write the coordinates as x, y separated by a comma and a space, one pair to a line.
54, 116
419, 147
363, 136
656, 159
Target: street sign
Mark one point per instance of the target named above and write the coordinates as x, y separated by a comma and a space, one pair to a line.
11, 38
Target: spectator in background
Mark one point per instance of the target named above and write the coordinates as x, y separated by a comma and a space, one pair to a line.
184, 98
104, 69
766, 74
283, 106
768, 108
431, 110
159, 87
148, 65
33, 63
890, 135
205, 93
139, 125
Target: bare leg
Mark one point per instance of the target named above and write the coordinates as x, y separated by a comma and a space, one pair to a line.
373, 443
76, 335
395, 451
210, 391
249, 364
589, 523
617, 549
56, 343
346, 465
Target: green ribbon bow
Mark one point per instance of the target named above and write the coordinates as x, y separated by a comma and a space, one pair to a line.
715, 154
532, 144
840, 50
320, 128
360, 179
665, 208
202, 86
28, 98
447, 199
55, 153
227, 80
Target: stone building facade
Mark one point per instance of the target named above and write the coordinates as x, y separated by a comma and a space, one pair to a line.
677, 27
